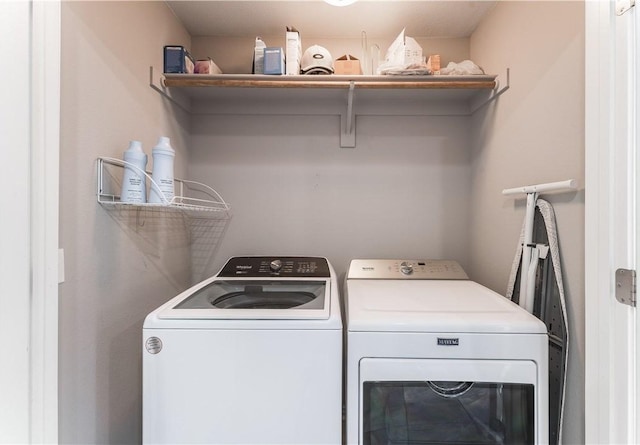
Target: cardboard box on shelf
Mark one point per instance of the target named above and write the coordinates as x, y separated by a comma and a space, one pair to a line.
347, 64
293, 51
434, 63
273, 60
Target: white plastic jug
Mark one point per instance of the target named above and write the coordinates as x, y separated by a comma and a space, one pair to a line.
134, 184
162, 176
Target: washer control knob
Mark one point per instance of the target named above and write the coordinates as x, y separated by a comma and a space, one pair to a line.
406, 268
275, 265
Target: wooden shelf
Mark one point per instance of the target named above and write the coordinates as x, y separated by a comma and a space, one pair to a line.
479, 82
434, 95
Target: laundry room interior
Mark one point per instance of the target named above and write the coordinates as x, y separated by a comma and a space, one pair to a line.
417, 174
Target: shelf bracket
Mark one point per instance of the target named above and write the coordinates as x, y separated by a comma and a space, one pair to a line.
348, 122
497, 92
158, 85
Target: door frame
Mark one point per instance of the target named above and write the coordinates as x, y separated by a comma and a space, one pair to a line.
29, 257
610, 222
45, 203
15, 28
600, 409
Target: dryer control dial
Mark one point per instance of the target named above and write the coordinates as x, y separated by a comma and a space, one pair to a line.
406, 268
275, 265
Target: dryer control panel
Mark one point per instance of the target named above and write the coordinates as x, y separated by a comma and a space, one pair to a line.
406, 270
263, 266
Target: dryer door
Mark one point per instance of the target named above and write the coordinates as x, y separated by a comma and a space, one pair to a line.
428, 401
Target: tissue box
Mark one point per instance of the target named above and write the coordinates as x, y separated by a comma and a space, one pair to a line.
178, 60
347, 64
273, 60
207, 66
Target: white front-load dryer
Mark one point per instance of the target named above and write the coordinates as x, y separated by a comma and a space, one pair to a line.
434, 358
252, 355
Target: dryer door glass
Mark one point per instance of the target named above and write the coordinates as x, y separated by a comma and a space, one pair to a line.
447, 412
451, 401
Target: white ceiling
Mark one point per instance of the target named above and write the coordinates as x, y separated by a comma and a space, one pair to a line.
315, 18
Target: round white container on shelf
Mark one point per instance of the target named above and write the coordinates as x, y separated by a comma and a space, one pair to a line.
134, 188
163, 156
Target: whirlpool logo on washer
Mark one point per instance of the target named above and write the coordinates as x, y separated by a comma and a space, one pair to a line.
153, 345
448, 341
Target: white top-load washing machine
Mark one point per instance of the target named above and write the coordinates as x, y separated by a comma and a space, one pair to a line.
252, 355
435, 358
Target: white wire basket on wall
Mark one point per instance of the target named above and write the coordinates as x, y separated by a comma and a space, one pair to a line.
191, 224
190, 196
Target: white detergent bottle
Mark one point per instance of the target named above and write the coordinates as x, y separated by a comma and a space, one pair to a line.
163, 156
134, 184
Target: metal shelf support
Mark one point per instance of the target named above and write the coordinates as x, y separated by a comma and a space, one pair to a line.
348, 121
497, 92
157, 83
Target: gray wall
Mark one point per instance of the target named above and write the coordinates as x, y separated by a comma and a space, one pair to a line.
534, 134
415, 186
116, 271
402, 192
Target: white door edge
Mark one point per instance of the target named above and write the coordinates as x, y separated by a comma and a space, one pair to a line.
15, 285
610, 225
45, 149
635, 159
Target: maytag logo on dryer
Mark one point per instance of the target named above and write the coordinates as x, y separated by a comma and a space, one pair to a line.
448, 341
368, 268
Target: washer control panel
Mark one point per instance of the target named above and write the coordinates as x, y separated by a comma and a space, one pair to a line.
406, 270
263, 266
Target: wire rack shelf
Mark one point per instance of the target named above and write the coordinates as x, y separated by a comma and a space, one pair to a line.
191, 197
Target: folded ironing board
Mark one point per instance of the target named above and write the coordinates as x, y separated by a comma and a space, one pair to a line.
548, 303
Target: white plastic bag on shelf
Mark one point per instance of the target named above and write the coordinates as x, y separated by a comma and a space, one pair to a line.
404, 56
463, 68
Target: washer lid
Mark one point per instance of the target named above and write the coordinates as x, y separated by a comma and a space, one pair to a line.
434, 306
252, 299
